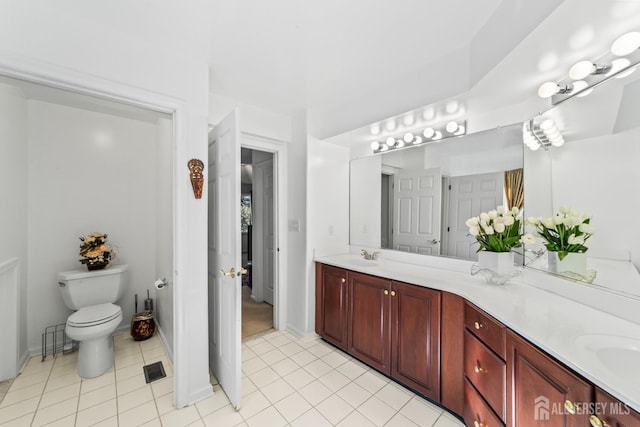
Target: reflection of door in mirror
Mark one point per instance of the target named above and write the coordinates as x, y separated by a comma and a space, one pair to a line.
468, 196
416, 211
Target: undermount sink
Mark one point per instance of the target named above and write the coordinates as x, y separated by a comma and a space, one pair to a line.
361, 262
619, 354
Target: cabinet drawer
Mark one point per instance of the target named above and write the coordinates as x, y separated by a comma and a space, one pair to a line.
488, 330
486, 371
476, 412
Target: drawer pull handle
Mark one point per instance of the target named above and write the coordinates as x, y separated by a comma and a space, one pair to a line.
570, 407
477, 325
597, 422
343, 280
478, 369
386, 292
478, 422
393, 293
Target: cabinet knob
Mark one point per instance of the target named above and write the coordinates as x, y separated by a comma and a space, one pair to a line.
386, 292
393, 293
478, 369
343, 280
477, 325
478, 422
597, 422
570, 407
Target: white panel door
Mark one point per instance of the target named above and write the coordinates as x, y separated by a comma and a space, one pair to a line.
470, 195
225, 255
416, 199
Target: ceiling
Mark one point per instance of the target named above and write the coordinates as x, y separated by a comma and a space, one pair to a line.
354, 63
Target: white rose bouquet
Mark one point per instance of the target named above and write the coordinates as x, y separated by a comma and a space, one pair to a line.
498, 230
564, 233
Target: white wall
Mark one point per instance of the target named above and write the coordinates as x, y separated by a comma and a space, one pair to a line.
163, 304
365, 200
87, 172
13, 193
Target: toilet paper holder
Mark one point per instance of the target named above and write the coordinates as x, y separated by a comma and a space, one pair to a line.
161, 283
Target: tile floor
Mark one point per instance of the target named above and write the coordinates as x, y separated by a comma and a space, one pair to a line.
286, 382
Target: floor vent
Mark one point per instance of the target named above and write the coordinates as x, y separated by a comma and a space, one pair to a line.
153, 372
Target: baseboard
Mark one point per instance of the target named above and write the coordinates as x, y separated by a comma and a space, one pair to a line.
301, 334
168, 350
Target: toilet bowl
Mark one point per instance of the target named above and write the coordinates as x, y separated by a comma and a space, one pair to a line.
92, 326
92, 294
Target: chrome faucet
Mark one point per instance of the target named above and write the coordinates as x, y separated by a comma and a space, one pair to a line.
369, 256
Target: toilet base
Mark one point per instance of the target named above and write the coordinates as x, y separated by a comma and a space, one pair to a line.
95, 357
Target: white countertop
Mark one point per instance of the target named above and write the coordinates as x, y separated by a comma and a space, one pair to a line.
582, 337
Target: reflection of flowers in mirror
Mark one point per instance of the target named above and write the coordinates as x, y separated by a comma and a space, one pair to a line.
95, 251
498, 230
565, 232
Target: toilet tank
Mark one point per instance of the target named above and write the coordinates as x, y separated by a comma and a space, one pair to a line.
81, 288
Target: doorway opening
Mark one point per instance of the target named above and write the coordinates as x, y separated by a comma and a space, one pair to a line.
258, 241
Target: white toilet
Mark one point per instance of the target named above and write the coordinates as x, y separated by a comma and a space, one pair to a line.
92, 294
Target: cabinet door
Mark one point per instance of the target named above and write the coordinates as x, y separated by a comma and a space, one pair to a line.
331, 304
541, 391
370, 320
610, 412
415, 338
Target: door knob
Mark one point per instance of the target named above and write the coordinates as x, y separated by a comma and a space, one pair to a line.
435, 242
231, 273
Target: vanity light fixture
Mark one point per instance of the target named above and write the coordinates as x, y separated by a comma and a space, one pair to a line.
429, 134
548, 89
585, 75
543, 134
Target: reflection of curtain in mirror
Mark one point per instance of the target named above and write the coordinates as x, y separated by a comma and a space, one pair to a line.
514, 188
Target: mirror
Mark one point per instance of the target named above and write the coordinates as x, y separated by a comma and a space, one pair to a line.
596, 171
417, 199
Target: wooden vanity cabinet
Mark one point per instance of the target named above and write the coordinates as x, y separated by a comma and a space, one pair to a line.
331, 304
610, 412
484, 369
395, 328
541, 391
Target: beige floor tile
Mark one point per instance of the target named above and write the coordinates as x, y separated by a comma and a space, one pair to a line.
303, 357
23, 421
334, 380
399, 420
268, 417
317, 368
377, 411
59, 395
96, 397
315, 392
55, 412
35, 365
17, 410
354, 395
164, 404
129, 371
352, 369
285, 367
129, 360
19, 395
254, 365
142, 414
29, 380
180, 417
99, 412
371, 381
421, 413
90, 384
263, 377
277, 390
448, 420
311, 418
394, 395
212, 404
253, 403
292, 406
291, 348
248, 386
225, 417
153, 423
273, 356
356, 419
334, 409
134, 399
62, 381
162, 387
109, 422
298, 378
130, 384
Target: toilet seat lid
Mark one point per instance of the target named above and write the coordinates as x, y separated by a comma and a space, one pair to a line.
94, 315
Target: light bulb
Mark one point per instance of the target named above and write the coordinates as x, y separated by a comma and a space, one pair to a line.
618, 64
626, 43
452, 127
558, 142
579, 85
418, 140
548, 89
390, 141
534, 147
428, 133
384, 147
408, 137
437, 135
581, 69
399, 143
547, 124
375, 145
625, 73
461, 130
